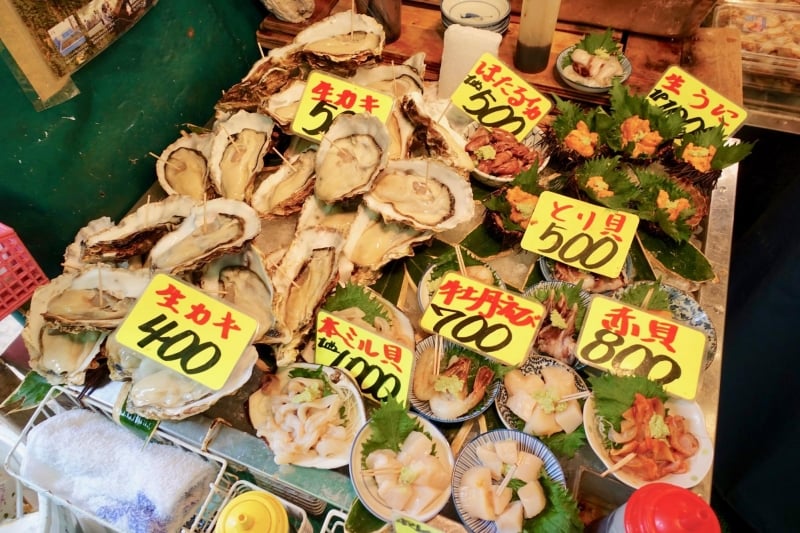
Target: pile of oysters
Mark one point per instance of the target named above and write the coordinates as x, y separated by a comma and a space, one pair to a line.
266, 220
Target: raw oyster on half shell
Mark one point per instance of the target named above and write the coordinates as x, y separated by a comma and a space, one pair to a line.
182, 167
160, 393
352, 152
341, 42
237, 153
423, 193
212, 229
284, 191
282, 106
266, 77
336, 216
291, 11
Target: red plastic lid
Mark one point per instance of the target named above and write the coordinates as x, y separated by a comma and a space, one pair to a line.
665, 508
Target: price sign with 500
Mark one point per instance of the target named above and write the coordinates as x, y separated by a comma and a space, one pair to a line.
187, 330
580, 234
627, 340
488, 320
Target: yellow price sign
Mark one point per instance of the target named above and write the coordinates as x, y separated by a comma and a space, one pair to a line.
497, 97
187, 330
580, 234
408, 525
380, 366
701, 106
326, 97
496, 323
627, 340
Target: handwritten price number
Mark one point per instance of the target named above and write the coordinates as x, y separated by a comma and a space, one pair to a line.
604, 349
579, 249
184, 346
472, 329
371, 378
326, 111
484, 113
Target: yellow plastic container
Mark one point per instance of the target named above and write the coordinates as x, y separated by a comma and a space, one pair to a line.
253, 512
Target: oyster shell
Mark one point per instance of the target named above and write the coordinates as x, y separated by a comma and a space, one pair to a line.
72, 255
430, 138
352, 152
282, 106
241, 280
212, 229
284, 191
137, 233
425, 194
336, 216
305, 275
396, 80
294, 11
266, 77
121, 361
182, 167
341, 42
274, 239
160, 393
97, 298
237, 153
371, 243
61, 357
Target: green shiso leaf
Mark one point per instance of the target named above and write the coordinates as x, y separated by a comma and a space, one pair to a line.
569, 114
314, 373
559, 514
572, 294
353, 295
624, 105
565, 444
613, 395
390, 425
652, 184
599, 43
619, 183
727, 153
681, 258
652, 291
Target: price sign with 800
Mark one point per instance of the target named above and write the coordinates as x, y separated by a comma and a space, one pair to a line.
188, 331
488, 320
497, 97
583, 235
623, 339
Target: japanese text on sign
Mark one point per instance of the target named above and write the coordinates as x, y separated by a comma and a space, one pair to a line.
381, 367
580, 234
326, 97
407, 525
483, 318
627, 340
700, 106
497, 97
187, 331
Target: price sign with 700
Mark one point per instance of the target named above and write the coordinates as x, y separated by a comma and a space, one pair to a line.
488, 320
187, 331
580, 234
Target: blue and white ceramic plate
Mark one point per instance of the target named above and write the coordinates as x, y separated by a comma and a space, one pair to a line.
476, 13
469, 458
424, 408
685, 309
532, 365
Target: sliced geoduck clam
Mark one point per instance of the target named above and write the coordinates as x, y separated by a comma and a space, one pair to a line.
423, 193
241, 280
61, 357
372, 242
237, 153
212, 229
137, 232
97, 298
182, 167
341, 42
284, 191
305, 275
352, 152
160, 393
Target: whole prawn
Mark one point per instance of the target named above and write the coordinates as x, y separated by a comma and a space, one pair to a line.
450, 405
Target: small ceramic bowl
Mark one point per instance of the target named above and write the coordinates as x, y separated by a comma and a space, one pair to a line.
584, 88
492, 15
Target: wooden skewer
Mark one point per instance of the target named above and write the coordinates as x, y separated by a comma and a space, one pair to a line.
575, 396
437, 354
100, 288
646, 301
619, 464
231, 139
284, 159
381, 471
462, 269
177, 166
510, 474
461, 436
482, 424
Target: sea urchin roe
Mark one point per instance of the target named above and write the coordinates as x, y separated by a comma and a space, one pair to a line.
522, 205
699, 156
637, 130
599, 187
672, 207
582, 140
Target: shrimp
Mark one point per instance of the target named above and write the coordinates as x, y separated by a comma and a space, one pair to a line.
452, 405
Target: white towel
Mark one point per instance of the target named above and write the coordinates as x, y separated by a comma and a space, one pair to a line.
103, 468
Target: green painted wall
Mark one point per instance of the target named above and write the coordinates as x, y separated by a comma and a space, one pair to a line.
85, 158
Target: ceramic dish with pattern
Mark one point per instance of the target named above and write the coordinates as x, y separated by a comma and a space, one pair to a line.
423, 490
475, 269
535, 364
683, 308
699, 464
446, 406
483, 14
534, 142
558, 338
473, 459
553, 270
587, 85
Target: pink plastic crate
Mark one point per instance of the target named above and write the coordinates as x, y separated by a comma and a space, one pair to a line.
19, 272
